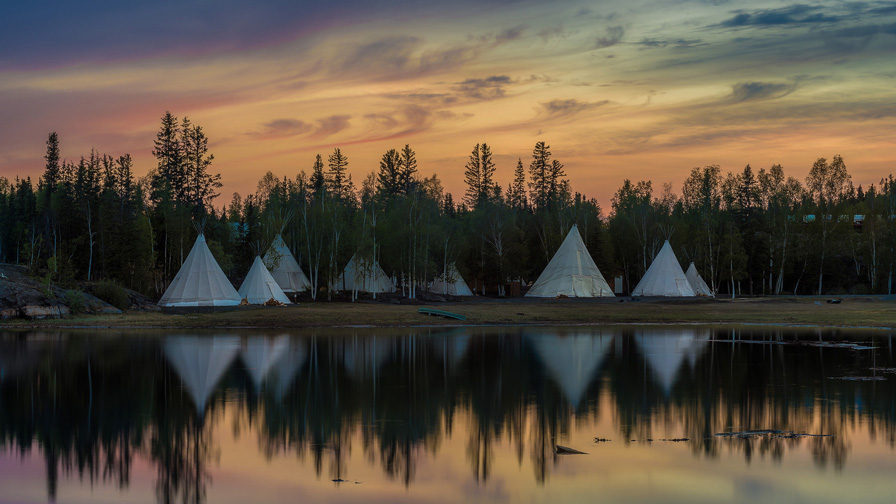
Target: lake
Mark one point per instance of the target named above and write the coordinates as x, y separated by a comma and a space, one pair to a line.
662, 414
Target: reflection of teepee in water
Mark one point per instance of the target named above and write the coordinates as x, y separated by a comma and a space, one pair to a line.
571, 360
666, 349
284, 371
364, 356
452, 346
259, 353
200, 362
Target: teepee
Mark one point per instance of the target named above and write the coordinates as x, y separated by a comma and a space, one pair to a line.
200, 362
259, 286
571, 272
697, 283
454, 285
288, 273
370, 277
664, 277
200, 281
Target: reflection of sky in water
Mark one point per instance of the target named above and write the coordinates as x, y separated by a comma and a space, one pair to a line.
470, 416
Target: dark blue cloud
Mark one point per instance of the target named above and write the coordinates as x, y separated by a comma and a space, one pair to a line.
794, 14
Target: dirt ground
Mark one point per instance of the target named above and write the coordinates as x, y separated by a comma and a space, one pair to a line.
865, 311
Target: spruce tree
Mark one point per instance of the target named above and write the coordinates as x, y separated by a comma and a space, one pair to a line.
540, 174
408, 169
473, 178
51, 175
338, 164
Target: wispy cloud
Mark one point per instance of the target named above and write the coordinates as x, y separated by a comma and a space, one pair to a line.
331, 125
752, 91
794, 14
613, 36
563, 108
279, 128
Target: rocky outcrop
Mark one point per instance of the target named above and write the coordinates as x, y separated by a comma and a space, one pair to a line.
24, 297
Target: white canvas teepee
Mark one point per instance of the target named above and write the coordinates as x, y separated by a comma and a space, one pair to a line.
571, 360
571, 272
697, 283
259, 286
454, 285
664, 277
200, 281
200, 362
369, 277
288, 273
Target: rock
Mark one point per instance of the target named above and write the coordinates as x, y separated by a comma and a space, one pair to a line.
42, 312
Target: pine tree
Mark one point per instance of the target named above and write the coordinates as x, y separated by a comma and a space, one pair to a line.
487, 186
540, 174
169, 153
389, 177
516, 194
338, 164
200, 185
318, 181
556, 173
51, 175
473, 178
408, 169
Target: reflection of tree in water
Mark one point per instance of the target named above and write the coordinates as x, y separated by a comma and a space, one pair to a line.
91, 405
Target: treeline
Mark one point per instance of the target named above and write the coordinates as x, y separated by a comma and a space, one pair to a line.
748, 233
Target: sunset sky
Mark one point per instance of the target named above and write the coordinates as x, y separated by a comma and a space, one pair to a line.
636, 89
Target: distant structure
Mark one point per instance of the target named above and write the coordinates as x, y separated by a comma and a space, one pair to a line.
664, 277
288, 274
454, 285
696, 281
259, 286
200, 281
571, 272
368, 277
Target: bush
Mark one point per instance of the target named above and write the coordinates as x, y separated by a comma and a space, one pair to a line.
112, 293
76, 301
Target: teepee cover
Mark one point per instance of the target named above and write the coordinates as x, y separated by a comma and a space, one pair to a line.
371, 278
457, 287
200, 281
697, 283
571, 272
288, 273
664, 277
259, 286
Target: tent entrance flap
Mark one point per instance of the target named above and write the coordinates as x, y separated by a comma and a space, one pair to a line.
583, 286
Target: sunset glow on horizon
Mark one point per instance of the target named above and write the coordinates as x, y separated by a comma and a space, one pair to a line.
638, 89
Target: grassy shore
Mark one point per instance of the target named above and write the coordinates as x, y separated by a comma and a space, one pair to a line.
852, 312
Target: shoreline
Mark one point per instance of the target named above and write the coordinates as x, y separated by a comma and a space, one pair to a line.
864, 312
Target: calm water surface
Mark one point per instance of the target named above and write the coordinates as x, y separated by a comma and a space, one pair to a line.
663, 415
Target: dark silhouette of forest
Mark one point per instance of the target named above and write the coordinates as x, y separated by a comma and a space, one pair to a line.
748, 231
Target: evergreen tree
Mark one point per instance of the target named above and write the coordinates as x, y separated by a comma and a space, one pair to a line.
473, 178
318, 181
389, 178
408, 169
540, 175
51, 174
338, 164
516, 194
168, 150
200, 185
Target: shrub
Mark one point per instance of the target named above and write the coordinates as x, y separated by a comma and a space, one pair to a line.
75, 301
112, 293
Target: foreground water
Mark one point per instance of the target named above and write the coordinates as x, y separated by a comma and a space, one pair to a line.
428, 415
